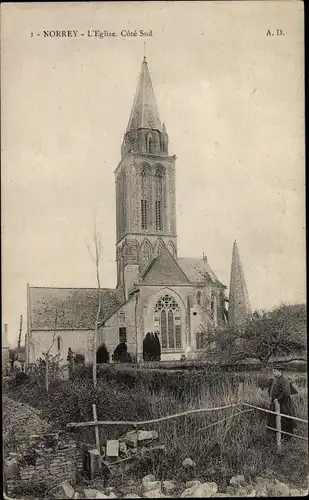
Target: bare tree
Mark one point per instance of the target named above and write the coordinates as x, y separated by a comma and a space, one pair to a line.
46, 354
96, 257
20, 331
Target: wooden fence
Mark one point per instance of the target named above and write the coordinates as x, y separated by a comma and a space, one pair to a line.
95, 423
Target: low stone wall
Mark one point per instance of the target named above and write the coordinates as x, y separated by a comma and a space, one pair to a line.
44, 464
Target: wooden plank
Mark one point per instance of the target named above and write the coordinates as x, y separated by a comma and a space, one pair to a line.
287, 433
96, 429
278, 424
145, 422
169, 417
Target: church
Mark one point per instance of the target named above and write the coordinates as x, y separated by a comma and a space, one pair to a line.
157, 291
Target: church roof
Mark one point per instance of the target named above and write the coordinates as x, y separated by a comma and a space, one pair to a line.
163, 270
239, 303
75, 308
196, 269
144, 113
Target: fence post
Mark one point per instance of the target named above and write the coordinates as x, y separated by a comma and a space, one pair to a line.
96, 429
278, 424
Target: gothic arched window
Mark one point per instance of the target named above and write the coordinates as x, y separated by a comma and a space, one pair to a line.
199, 298
144, 214
200, 337
160, 246
59, 344
158, 199
165, 143
171, 249
150, 145
212, 305
168, 322
146, 250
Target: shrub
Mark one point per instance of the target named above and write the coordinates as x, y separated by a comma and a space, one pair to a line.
18, 379
79, 359
234, 446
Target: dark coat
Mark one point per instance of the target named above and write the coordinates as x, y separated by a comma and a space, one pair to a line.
146, 347
281, 390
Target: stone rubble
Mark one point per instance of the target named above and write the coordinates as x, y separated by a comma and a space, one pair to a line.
150, 487
131, 444
237, 480
188, 462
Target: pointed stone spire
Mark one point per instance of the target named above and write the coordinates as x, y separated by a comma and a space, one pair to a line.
239, 303
144, 112
164, 128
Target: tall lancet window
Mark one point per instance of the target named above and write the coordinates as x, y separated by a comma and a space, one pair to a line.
167, 322
144, 215
158, 200
150, 145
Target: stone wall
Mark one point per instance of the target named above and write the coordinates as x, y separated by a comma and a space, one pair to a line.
78, 340
48, 460
109, 334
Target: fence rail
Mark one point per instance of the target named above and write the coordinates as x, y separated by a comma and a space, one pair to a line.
238, 405
176, 415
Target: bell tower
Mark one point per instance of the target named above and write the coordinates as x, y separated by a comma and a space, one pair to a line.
145, 188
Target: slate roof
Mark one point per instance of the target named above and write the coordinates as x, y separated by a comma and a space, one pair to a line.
163, 270
76, 307
144, 113
194, 269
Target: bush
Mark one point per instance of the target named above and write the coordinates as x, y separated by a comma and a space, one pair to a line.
18, 379
79, 359
234, 446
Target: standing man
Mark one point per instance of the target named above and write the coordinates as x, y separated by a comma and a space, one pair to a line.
70, 360
280, 390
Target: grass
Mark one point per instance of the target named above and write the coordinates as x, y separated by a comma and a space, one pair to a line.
239, 445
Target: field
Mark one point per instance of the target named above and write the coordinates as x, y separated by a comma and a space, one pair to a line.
239, 445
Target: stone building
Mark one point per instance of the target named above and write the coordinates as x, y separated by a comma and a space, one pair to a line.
157, 291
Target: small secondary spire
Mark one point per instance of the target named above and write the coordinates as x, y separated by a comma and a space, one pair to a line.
239, 303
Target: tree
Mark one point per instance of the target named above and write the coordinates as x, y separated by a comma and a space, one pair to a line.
121, 354
39, 370
96, 257
279, 332
102, 354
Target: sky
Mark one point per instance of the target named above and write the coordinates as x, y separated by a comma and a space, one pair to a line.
232, 99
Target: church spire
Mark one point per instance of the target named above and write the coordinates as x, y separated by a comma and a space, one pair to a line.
144, 113
239, 303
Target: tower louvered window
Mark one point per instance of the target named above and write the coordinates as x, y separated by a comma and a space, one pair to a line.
144, 208
158, 200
